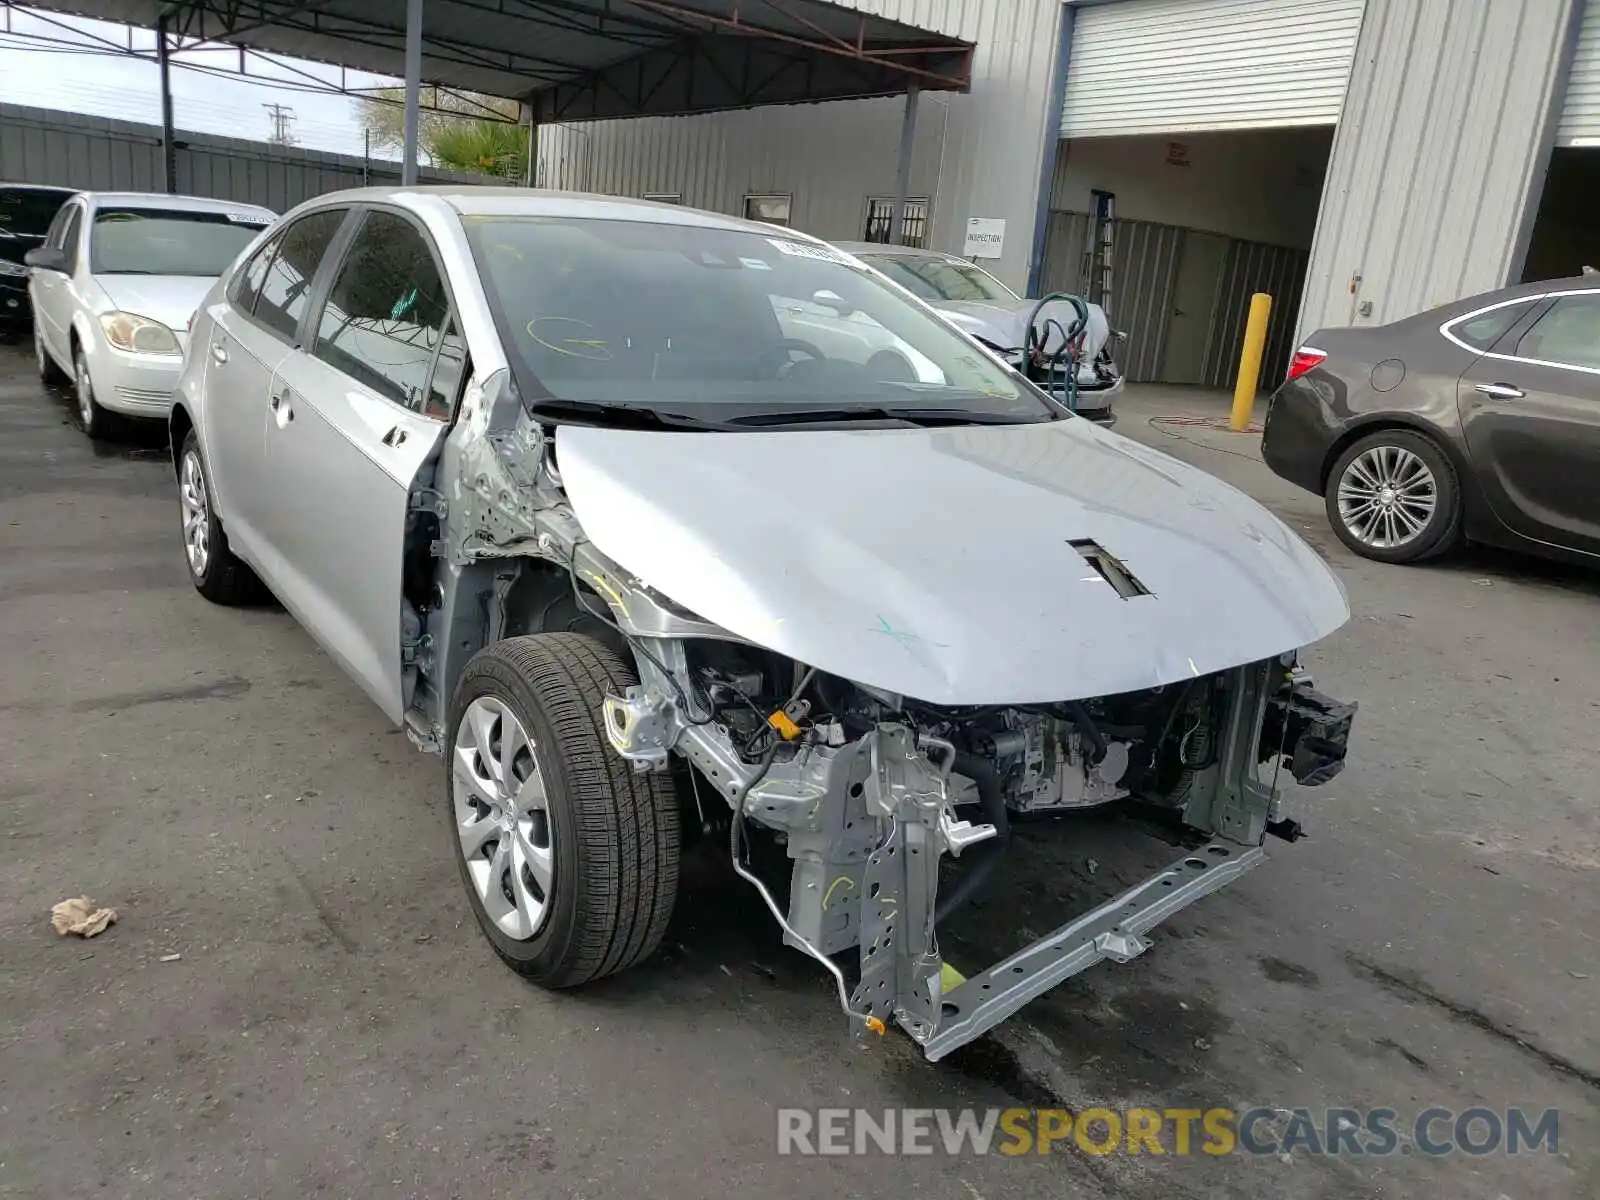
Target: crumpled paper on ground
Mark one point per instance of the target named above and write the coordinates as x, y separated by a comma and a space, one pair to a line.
81, 916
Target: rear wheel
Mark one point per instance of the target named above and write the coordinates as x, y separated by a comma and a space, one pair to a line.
216, 572
48, 371
1393, 496
569, 856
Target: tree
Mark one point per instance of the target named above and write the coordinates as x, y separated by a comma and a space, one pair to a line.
453, 131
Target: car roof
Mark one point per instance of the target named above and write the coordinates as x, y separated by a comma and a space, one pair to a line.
163, 200
37, 187
540, 202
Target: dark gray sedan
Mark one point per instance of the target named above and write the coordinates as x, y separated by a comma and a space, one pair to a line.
1479, 420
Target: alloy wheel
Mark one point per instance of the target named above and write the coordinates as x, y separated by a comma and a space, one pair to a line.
85, 392
1387, 497
503, 818
196, 514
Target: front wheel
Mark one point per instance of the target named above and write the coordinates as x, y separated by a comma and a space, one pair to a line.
569, 856
97, 422
216, 572
1393, 496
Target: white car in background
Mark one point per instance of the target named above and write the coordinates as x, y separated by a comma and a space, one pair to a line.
114, 287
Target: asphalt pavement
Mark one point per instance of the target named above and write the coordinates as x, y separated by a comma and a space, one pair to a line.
293, 1001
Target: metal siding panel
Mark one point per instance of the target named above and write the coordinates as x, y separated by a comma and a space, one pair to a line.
978, 154
1175, 66
1580, 113
1390, 230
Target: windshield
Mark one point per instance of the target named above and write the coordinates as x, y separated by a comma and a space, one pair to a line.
935, 279
152, 241
722, 325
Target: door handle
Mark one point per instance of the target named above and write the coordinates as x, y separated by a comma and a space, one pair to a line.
281, 407
219, 352
1500, 391
395, 437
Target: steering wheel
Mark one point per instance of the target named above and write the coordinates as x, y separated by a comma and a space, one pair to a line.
780, 351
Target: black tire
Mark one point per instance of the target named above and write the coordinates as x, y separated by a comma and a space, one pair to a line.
222, 578
49, 373
98, 423
1442, 531
614, 831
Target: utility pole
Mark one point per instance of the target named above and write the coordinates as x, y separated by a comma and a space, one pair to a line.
281, 115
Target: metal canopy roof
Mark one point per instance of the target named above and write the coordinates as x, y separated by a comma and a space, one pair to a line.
586, 59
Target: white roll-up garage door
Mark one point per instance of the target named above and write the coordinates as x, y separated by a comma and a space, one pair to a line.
1580, 115
1184, 66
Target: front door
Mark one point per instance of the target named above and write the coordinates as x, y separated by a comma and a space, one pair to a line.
51, 290
1194, 300
353, 418
255, 328
1531, 412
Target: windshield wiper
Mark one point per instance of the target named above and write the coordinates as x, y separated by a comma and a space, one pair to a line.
617, 416
882, 412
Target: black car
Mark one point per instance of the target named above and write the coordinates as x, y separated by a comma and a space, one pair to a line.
25, 215
1479, 420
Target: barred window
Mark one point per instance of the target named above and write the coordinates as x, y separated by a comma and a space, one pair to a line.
880, 220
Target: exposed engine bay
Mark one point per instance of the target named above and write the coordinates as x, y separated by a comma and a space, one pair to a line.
867, 790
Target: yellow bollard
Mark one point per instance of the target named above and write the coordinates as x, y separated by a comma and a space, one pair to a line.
1255, 341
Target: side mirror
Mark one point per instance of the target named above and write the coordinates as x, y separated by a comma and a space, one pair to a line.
46, 258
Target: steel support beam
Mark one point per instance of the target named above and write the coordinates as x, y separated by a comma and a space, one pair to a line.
408, 169
1050, 149
902, 182
169, 152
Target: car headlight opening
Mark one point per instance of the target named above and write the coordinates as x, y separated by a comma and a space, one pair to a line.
138, 335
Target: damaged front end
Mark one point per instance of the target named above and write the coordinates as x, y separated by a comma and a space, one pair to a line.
868, 791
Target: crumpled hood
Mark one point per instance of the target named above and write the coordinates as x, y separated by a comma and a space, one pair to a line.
939, 564
1006, 326
170, 299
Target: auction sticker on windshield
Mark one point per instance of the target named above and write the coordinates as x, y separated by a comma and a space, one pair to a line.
805, 250
249, 218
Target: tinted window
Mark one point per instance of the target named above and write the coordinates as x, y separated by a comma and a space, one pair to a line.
1568, 334
449, 369
1484, 330
385, 311
157, 241
247, 281
941, 278
286, 289
28, 213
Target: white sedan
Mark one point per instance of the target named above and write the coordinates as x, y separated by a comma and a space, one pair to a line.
114, 286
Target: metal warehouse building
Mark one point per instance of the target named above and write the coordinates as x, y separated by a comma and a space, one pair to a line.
1359, 159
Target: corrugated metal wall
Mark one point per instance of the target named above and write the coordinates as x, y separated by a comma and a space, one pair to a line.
1173, 66
68, 150
1251, 267
1580, 112
1145, 260
1443, 138
977, 154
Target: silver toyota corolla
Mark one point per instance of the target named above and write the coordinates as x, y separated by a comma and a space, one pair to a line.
572, 489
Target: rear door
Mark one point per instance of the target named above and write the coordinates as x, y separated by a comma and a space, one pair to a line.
355, 413
1530, 409
253, 330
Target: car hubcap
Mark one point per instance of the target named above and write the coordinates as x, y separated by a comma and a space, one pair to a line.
503, 818
85, 392
196, 513
1387, 497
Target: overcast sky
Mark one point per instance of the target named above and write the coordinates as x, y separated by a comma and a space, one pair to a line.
110, 86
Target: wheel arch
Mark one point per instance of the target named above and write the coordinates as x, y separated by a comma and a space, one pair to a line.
1388, 421
179, 423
